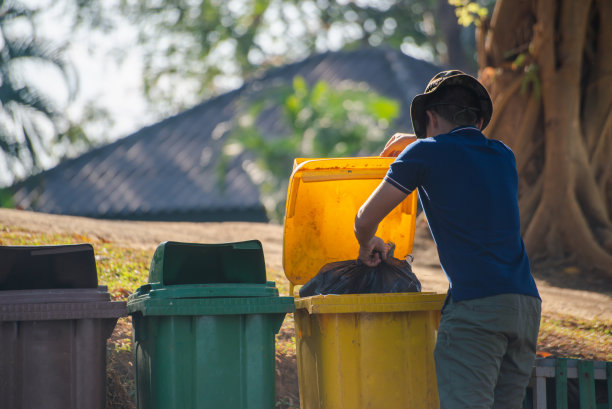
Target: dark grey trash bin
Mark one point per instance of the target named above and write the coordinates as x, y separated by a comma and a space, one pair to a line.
54, 323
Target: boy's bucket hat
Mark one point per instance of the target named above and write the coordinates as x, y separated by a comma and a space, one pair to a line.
443, 79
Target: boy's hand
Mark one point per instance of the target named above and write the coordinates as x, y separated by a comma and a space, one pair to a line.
397, 143
374, 252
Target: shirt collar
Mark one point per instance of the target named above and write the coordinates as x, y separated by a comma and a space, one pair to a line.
463, 128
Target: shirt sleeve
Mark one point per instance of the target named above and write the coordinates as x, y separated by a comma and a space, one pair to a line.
406, 172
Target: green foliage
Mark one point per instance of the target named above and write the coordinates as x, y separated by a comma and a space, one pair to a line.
469, 12
215, 44
6, 198
532, 77
320, 121
524, 62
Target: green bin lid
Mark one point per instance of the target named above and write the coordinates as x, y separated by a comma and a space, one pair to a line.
158, 306
176, 263
158, 291
196, 271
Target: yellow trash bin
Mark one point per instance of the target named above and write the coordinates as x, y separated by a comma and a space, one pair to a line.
355, 351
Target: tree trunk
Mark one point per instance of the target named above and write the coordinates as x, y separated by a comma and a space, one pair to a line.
456, 54
554, 109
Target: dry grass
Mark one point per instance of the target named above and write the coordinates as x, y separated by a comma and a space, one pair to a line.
567, 336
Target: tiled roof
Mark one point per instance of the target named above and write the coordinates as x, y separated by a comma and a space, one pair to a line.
168, 171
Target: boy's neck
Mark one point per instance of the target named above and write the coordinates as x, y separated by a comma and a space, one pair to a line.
439, 126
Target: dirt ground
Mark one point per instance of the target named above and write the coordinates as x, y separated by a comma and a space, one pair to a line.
563, 292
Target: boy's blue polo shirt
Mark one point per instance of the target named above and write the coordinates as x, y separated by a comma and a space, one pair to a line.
468, 186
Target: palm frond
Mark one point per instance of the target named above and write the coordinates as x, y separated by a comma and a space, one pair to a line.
11, 10
36, 51
33, 127
12, 96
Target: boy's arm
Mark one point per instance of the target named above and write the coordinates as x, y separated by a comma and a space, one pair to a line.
384, 199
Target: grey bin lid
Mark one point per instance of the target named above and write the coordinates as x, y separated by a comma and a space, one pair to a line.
59, 304
47, 267
76, 295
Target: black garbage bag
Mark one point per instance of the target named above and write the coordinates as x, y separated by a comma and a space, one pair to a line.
354, 277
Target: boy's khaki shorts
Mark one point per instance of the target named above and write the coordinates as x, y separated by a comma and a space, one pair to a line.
485, 351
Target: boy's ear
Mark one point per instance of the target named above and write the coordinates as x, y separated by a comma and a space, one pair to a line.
480, 123
430, 118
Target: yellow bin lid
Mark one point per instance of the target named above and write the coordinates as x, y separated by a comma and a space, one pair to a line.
323, 198
357, 303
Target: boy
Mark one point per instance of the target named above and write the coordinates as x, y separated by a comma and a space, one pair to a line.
468, 186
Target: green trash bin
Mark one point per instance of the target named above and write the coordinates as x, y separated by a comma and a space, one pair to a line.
205, 326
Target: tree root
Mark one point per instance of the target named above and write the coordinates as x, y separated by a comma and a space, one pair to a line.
529, 203
500, 103
526, 145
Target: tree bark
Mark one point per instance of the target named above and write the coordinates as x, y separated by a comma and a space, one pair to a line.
559, 126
